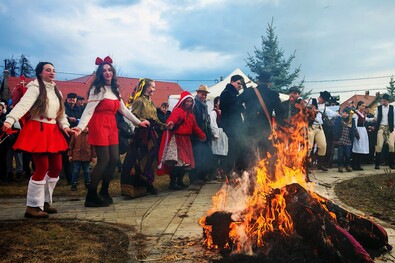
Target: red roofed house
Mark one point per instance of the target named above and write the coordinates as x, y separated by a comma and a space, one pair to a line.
80, 86
370, 101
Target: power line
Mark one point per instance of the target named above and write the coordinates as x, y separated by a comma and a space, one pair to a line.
336, 80
68, 73
216, 80
187, 80
344, 91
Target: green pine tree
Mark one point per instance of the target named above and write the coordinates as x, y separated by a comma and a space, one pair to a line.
25, 68
391, 87
269, 60
19, 67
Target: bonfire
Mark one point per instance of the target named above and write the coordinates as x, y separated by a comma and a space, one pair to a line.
272, 211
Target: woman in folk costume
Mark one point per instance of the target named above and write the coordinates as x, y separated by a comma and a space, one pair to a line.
361, 145
220, 140
138, 170
99, 115
42, 136
175, 153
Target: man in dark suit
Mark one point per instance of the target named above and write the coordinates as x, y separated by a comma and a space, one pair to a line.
72, 110
258, 117
201, 150
232, 122
289, 105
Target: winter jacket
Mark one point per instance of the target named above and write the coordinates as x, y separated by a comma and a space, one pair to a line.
79, 149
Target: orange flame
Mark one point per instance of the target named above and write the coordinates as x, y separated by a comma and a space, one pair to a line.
264, 210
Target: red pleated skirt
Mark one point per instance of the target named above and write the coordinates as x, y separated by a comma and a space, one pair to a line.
40, 137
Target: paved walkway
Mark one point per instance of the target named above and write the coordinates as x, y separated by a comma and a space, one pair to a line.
171, 215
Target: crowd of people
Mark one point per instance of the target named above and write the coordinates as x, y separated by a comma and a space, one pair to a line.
51, 136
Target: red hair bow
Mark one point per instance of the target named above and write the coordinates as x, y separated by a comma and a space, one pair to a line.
101, 61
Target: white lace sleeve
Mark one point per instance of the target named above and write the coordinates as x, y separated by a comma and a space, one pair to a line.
93, 101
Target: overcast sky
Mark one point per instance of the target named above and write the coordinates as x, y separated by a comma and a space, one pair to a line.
205, 39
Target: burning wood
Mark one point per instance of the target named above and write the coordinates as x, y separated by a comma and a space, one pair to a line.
281, 217
315, 226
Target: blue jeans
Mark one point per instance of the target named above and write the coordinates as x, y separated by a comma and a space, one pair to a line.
76, 167
18, 161
344, 155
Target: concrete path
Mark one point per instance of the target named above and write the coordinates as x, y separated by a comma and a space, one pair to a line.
165, 218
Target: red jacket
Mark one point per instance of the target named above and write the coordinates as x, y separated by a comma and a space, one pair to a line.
185, 123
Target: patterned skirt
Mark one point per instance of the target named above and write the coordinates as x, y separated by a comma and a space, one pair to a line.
138, 170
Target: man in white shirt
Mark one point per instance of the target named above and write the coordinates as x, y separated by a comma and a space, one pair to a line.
316, 133
384, 117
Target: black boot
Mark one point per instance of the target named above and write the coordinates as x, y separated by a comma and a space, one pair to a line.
105, 194
354, 161
180, 177
152, 189
320, 164
19, 177
391, 160
377, 161
357, 162
10, 177
93, 200
173, 183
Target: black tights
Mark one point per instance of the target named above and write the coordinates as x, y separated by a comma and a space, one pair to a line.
107, 158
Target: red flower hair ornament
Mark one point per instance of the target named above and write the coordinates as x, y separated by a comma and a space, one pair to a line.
100, 61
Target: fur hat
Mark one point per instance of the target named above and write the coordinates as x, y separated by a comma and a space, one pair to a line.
294, 89
325, 95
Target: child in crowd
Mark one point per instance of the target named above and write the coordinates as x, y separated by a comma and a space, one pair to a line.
81, 154
344, 133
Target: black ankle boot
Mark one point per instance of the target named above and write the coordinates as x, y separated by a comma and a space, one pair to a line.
377, 161
152, 189
105, 194
359, 160
173, 184
320, 164
180, 177
93, 200
391, 160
